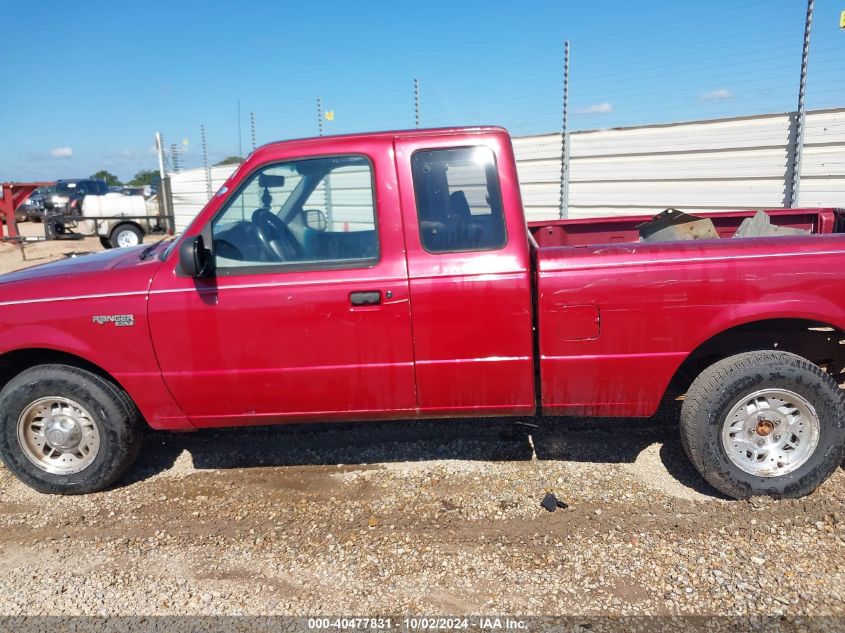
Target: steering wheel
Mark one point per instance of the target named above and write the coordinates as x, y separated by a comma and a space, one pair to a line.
275, 236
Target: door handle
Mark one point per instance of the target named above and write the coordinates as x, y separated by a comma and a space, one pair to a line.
366, 298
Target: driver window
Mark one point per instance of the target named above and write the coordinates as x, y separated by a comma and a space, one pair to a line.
310, 212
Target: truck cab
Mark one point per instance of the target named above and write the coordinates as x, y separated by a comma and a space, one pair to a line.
383, 302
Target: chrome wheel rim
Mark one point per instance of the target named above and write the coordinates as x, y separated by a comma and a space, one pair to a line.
127, 238
771, 432
58, 435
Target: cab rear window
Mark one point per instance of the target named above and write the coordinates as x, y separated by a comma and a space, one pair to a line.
459, 200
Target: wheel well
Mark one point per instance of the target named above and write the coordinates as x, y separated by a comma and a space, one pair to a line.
129, 223
13, 363
818, 342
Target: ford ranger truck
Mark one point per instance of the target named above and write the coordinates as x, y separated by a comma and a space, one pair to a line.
393, 276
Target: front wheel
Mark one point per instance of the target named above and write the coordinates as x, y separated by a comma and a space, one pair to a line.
764, 423
65, 430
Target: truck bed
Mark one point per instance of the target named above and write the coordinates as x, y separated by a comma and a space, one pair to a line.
617, 320
590, 231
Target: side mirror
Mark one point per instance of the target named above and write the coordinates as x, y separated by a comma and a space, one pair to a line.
196, 260
316, 220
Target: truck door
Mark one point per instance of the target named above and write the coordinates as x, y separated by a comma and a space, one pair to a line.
307, 315
469, 270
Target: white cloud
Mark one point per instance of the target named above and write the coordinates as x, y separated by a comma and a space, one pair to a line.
62, 152
597, 108
717, 95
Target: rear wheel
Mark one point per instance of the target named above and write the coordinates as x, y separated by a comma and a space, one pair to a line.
65, 430
764, 423
125, 235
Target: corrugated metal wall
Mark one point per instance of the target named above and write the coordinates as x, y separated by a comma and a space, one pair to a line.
190, 191
699, 166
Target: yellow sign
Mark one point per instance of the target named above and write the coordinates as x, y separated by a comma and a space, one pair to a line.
842, 20
330, 115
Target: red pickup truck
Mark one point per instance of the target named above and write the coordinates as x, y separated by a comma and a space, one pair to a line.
392, 275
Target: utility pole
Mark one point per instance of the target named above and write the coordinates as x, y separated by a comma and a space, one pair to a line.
320, 115
416, 102
240, 143
160, 151
164, 194
564, 139
802, 87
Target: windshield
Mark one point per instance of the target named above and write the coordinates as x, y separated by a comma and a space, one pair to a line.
97, 187
65, 188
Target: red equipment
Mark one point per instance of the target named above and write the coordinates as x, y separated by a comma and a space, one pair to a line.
14, 195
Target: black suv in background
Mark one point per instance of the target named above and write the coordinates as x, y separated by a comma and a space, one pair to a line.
66, 196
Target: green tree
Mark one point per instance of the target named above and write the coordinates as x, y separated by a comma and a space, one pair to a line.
145, 177
110, 179
231, 160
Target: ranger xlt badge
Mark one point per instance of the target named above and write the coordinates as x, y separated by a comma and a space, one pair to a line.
120, 320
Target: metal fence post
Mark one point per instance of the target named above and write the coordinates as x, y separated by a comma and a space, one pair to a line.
564, 139
416, 102
252, 128
320, 116
802, 115
205, 162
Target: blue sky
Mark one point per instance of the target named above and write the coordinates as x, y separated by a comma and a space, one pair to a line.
95, 80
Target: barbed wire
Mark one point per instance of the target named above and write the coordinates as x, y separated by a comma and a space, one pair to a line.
697, 81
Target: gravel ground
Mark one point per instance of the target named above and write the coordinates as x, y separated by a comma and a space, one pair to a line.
437, 517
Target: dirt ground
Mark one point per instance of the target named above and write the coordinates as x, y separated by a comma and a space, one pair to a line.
13, 257
435, 517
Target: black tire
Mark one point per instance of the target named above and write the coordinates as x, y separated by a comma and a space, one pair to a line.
114, 238
724, 384
112, 411
105, 242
